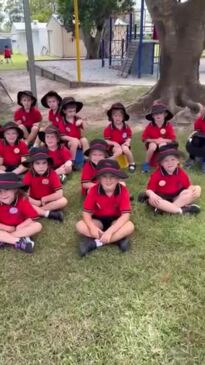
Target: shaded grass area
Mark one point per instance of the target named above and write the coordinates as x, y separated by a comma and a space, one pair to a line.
145, 307
19, 62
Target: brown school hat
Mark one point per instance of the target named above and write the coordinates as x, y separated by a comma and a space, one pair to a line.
170, 149
37, 153
49, 130
69, 101
27, 93
157, 109
11, 125
117, 106
50, 94
9, 180
108, 166
97, 144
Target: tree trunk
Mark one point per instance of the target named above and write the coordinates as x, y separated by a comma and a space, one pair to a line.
92, 44
181, 32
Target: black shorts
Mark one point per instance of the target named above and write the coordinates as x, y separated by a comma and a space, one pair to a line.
170, 197
148, 143
106, 221
11, 168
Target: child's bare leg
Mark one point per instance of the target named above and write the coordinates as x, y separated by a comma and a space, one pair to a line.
126, 230
24, 129
83, 229
74, 144
188, 196
166, 206
28, 230
128, 153
117, 151
84, 143
150, 151
55, 205
9, 238
33, 133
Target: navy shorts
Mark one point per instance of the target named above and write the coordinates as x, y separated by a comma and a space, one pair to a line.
106, 221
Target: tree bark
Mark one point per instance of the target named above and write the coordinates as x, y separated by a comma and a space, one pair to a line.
92, 44
181, 32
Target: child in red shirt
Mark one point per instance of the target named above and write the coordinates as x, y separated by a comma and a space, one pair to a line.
106, 210
169, 188
118, 134
28, 117
98, 151
157, 133
45, 189
52, 101
196, 144
13, 150
16, 215
61, 156
71, 126
7, 54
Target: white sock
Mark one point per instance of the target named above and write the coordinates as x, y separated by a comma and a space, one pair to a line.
180, 211
98, 243
47, 213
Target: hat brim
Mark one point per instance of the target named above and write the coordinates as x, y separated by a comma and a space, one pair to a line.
42, 136
21, 93
32, 159
162, 156
109, 114
13, 185
118, 173
78, 105
50, 94
168, 116
99, 148
19, 131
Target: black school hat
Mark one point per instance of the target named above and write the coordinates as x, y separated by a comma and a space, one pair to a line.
69, 101
49, 130
27, 93
11, 125
50, 94
97, 144
108, 166
37, 153
117, 106
157, 109
9, 180
170, 149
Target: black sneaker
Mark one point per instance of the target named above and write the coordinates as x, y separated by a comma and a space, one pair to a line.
87, 246
191, 209
132, 167
56, 215
123, 244
157, 211
142, 198
25, 245
2, 245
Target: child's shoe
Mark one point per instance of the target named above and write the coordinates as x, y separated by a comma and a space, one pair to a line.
142, 198
132, 167
2, 245
123, 244
189, 163
25, 245
145, 167
88, 245
191, 209
56, 215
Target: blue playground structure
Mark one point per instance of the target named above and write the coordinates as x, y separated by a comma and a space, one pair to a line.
133, 47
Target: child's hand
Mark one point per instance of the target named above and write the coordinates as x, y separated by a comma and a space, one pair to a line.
44, 200
79, 122
96, 232
127, 143
106, 236
154, 199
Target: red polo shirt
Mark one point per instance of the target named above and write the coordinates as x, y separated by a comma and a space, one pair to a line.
171, 185
117, 135
18, 212
40, 186
87, 173
28, 119
70, 129
199, 125
54, 118
101, 205
12, 154
152, 131
60, 156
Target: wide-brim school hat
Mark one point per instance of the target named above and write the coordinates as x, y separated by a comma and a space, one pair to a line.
36, 154
117, 106
170, 149
49, 130
108, 166
11, 125
157, 109
50, 94
27, 93
99, 145
70, 101
9, 180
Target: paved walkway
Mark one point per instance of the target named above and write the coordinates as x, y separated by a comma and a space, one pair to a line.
92, 72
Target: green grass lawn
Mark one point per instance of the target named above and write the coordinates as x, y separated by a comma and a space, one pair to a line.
145, 307
19, 62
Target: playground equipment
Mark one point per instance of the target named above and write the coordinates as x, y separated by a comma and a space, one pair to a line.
133, 47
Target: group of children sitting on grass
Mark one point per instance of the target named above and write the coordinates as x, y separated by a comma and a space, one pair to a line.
35, 162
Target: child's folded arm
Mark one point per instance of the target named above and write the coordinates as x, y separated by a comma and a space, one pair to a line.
51, 197
124, 218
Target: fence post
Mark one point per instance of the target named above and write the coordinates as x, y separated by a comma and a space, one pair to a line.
110, 43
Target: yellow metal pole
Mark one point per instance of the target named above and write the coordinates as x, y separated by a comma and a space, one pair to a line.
77, 39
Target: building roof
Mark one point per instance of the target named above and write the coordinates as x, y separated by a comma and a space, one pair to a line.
57, 18
35, 25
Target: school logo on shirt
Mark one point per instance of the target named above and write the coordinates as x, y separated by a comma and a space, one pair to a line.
16, 151
162, 183
45, 181
162, 131
13, 210
124, 135
68, 129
